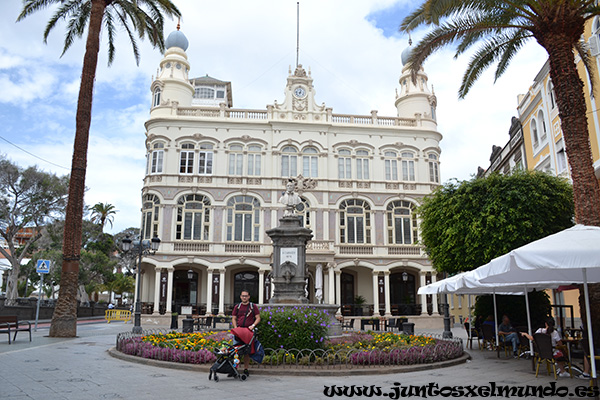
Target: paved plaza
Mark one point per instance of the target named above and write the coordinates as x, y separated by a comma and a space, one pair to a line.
81, 368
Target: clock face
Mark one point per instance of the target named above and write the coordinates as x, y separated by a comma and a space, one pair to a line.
300, 92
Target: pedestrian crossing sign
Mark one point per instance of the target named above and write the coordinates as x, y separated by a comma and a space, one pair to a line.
43, 266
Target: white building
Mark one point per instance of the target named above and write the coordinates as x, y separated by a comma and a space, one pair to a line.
215, 174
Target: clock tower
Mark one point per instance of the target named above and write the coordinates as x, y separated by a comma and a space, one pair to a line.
299, 103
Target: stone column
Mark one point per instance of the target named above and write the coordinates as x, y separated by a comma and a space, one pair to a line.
169, 289
423, 296
375, 293
338, 290
325, 225
386, 280
434, 298
331, 282
156, 290
222, 292
261, 286
209, 278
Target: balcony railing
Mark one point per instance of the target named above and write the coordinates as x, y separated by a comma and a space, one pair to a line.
270, 114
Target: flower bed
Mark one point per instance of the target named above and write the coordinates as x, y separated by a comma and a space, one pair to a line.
358, 349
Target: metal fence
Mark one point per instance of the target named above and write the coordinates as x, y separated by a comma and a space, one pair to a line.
442, 350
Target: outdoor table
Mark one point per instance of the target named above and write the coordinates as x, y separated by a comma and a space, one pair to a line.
373, 322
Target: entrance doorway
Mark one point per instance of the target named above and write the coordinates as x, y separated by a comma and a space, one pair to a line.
403, 294
245, 280
185, 291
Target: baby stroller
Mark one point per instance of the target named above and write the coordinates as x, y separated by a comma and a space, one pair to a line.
229, 357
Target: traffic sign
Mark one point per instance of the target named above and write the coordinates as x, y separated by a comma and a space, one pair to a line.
43, 267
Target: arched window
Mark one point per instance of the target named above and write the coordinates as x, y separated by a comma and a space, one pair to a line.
355, 222
391, 166
289, 162
150, 208
303, 210
254, 160
156, 100
401, 222
204, 93
243, 219
534, 132
542, 125
186, 159
408, 166
434, 172
362, 164
158, 152
551, 95
344, 164
310, 162
205, 157
193, 217
236, 159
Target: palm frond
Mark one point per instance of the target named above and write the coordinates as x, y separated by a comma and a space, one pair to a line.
110, 32
501, 48
77, 24
31, 6
583, 50
64, 12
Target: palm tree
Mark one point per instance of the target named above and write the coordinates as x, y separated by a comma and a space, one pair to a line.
502, 27
103, 213
94, 15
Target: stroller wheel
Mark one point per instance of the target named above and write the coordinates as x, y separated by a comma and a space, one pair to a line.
210, 375
243, 377
216, 378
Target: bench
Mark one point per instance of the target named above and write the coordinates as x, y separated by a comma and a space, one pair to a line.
10, 323
117, 315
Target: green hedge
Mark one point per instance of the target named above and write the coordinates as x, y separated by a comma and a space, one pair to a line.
297, 327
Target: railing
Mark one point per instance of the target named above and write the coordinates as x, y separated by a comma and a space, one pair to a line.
242, 248
404, 251
192, 247
356, 250
319, 245
232, 113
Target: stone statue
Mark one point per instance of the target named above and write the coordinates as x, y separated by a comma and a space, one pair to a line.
290, 199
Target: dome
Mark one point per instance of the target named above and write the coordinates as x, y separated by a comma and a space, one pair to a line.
177, 39
406, 55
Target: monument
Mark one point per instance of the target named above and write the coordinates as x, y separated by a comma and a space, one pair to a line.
289, 258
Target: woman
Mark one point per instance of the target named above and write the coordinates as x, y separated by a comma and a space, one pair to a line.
556, 341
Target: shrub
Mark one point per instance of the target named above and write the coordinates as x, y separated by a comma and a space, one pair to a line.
293, 328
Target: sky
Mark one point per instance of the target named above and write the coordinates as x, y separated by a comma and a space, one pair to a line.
352, 47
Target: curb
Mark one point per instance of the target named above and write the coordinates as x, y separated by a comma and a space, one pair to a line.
289, 371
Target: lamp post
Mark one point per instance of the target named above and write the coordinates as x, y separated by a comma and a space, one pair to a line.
447, 334
143, 247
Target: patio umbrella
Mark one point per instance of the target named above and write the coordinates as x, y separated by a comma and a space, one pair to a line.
569, 256
319, 283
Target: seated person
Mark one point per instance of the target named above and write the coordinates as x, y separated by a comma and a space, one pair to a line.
556, 341
510, 335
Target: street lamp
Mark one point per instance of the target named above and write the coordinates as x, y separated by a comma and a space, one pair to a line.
144, 248
404, 276
447, 334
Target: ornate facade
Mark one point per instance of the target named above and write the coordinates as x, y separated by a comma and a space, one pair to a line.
215, 174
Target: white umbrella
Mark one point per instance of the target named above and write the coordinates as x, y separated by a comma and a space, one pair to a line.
319, 283
569, 256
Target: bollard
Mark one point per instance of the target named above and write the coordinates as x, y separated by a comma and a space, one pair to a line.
187, 325
408, 328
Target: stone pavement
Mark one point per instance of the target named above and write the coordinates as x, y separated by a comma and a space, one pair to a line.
80, 368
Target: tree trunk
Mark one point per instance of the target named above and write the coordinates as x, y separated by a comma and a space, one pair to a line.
572, 112
570, 99
64, 319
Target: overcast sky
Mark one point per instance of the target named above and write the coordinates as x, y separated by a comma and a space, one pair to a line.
352, 47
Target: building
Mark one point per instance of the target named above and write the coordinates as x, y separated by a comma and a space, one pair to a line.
510, 157
215, 174
543, 144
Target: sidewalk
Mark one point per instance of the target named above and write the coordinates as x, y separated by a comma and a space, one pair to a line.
80, 368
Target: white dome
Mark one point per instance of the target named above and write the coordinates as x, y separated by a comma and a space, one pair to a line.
177, 39
406, 55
